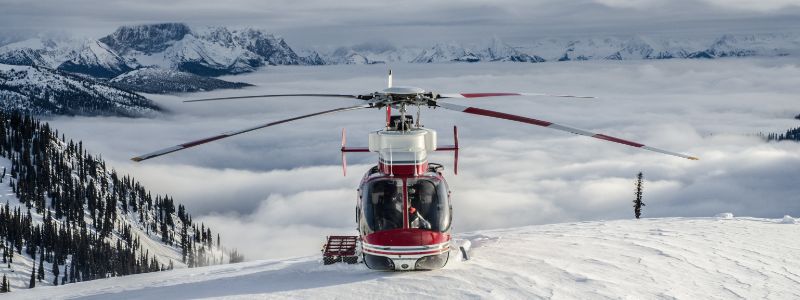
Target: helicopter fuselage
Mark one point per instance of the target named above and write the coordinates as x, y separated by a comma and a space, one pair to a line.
403, 212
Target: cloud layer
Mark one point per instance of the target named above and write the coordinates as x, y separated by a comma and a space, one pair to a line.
326, 23
278, 192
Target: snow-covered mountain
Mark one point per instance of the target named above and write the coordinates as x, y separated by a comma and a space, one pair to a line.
209, 51
584, 48
96, 59
159, 81
446, 53
147, 39
674, 258
44, 91
46, 52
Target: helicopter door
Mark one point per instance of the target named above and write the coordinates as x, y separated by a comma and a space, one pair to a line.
382, 202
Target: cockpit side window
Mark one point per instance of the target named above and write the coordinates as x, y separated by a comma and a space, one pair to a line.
383, 204
428, 204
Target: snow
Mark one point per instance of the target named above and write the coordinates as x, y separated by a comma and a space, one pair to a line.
725, 216
35, 43
787, 219
683, 258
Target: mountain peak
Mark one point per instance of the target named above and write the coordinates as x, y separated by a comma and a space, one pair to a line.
146, 38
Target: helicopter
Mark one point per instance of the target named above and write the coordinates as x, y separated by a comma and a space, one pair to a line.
403, 209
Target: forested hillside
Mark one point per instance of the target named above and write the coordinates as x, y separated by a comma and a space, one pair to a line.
66, 217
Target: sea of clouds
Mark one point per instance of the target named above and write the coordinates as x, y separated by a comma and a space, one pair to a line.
278, 192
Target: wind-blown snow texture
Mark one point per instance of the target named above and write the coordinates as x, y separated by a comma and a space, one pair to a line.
683, 258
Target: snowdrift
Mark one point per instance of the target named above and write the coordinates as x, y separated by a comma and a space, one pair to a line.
684, 258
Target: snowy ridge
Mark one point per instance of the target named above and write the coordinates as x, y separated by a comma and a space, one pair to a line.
585, 48
157, 81
39, 90
682, 258
97, 60
208, 51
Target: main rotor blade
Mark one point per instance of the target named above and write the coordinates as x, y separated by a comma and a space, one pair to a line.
278, 95
500, 115
237, 132
480, 95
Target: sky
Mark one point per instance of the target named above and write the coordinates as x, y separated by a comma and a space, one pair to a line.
277, 192
319, 23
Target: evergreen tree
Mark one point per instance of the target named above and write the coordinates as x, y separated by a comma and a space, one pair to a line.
41, 267
4, 285
637, 202
55, 272
32, 283
235, 257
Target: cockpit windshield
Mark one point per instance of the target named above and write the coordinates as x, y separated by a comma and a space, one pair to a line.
428, 204
383, 204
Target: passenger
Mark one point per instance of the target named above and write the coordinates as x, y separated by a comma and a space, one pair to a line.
416, 220
424, 194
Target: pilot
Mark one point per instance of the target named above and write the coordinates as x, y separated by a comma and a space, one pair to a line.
421, 200
389, 210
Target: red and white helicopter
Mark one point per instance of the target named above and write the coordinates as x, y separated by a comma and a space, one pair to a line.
403, 211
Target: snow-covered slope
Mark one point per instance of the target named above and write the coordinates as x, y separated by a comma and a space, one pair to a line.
41, 90
157, 81
62, 208
675, 258
46, 52
96, 59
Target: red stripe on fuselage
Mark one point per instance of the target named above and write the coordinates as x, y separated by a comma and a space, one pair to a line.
495, 114
407, 237
445, 249
616, 140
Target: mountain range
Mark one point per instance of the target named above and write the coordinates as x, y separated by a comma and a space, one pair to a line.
174, 58
631, 47
215, 51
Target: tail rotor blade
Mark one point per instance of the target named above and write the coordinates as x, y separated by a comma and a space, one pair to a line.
237, 132
363, 97
532, 121
481, 95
